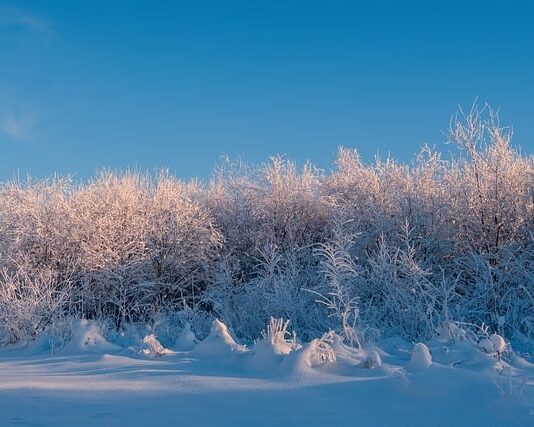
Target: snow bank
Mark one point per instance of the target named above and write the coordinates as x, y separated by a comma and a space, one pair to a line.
219, 343
186, 340
86, 337
326, 381
317, 353
270, 350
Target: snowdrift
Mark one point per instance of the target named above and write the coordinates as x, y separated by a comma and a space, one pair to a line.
277, 381
86, 337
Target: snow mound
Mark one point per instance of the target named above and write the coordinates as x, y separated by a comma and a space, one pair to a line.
493, 344
421, 357
265, 356
269, 351
345, 352
186, 339
373, 360
219, 342
276, 337
86, 336
318, 352
153, 347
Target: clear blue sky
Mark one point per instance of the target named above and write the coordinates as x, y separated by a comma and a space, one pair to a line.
177, 84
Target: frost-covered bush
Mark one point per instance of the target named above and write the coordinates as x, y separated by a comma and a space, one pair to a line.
400, 290
152, 346
278, 288
129, 245
341, 288
30, 304
144, 245
402, 248
277, 335
321, 351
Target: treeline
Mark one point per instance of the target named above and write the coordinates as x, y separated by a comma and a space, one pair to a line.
385, 246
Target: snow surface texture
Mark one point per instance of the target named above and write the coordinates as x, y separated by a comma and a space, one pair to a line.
91, 382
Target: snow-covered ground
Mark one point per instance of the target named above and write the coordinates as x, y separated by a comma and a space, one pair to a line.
90, 382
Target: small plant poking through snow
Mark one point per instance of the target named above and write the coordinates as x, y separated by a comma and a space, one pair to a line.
277, 335
493, 344
219, 341
153, 346
373, 360
275, 343
341, 274
509, 386
320, 350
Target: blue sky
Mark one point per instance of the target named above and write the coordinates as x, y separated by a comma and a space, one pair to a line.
120, 84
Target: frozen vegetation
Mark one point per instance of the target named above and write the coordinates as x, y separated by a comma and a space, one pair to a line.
408, 291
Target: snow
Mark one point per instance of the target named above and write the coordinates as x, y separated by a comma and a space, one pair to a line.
219, 343
421, 357
499, 345
186, 339
324, 382
373, 360
87, 337
153, 348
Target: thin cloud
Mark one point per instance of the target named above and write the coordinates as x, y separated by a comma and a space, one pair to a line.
16, 127
13, 17
17, 117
